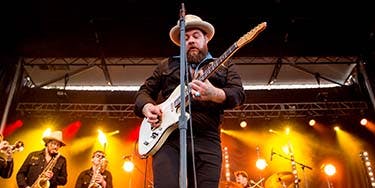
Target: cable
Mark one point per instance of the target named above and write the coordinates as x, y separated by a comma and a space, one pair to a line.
191, 125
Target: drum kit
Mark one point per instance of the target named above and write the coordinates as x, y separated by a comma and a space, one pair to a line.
282, 179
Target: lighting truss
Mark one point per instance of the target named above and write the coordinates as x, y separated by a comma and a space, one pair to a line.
65, 62
256, 110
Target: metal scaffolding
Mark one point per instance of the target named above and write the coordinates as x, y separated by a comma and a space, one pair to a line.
249, 111
65, 62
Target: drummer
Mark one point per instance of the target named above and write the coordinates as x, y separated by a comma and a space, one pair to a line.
242, 178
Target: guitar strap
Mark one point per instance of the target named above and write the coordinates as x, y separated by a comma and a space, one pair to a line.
194, 68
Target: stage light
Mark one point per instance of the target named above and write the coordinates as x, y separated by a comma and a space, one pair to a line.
336, 128
367, 164
128, 165
243, 123
227, 165
113, 133
312, 122
286, 149
102, 138
9, 129
261, 164
329, 169
364, 121
287, 131
47, 132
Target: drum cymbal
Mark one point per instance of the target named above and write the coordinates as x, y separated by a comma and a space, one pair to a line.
279, 180
229, 184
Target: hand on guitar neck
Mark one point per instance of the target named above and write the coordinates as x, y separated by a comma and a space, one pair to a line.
205, 91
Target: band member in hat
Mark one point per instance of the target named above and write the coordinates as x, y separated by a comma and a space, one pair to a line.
242, 178
37, 161
6, 164
97, 175
209, 98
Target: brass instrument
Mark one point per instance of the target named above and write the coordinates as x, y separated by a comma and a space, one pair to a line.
43, 180
18, 146
101, 168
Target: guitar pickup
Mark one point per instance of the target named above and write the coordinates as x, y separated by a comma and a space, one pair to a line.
154, 135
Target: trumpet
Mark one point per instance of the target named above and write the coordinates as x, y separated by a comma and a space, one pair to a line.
18, 146
6, 148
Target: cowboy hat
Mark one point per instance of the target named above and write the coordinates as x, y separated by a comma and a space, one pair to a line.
191, 21
56, 135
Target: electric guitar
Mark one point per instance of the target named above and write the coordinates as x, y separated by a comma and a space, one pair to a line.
150, 138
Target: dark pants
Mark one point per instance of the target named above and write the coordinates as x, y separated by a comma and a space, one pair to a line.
166, 164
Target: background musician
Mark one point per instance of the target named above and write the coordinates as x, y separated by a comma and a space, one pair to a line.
97, 175
6, 164
242, 178
34, 167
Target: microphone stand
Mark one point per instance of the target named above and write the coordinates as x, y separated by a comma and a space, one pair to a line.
182, 119
303, 166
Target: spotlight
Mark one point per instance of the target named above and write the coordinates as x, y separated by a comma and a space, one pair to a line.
102, 138
243, 124
312, 122
329, 169
128, 165
261, 164
363, 121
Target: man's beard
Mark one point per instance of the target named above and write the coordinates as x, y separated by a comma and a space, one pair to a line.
196, 58
52, 152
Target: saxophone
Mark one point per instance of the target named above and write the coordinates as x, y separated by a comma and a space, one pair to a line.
43, 180
100, 169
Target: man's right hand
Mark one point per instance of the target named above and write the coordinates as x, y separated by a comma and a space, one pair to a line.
153, 113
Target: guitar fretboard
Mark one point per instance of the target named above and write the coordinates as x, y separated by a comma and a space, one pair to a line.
212, 67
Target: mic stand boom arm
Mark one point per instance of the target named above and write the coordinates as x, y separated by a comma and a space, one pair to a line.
288, 158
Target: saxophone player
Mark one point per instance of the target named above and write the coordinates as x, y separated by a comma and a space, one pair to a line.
97, 176
37, 171
6, 164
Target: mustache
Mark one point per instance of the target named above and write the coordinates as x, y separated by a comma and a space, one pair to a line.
192, 48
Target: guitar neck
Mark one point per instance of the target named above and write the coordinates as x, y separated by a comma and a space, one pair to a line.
248, 37
212, 67
209, 69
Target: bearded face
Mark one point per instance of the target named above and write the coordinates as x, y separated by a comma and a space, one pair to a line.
196, 45
196, 55
53, 147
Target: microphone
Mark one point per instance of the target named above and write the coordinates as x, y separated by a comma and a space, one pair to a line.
272, 153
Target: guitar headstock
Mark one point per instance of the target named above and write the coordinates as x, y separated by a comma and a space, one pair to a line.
249, 36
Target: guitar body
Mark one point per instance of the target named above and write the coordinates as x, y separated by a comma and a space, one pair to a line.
151, 139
